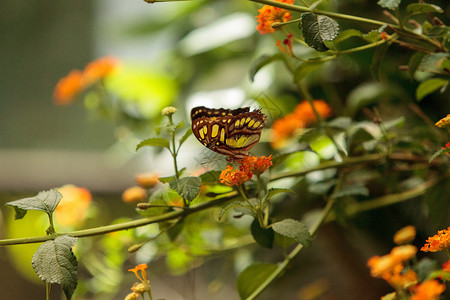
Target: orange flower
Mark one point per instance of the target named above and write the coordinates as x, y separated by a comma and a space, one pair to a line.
270, 14
68, 87
99, 68
437, 242
445, 269
303, 115
405, 235
256, 165
73, 207
390, 267
403, 253
234, 177
286, 47
142, 268
444, 122
134, 194
146, 180
428, 290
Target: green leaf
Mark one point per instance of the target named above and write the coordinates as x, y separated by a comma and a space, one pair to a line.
317, 29
378, 57
275, 191
261, 62
264, 237
159, 142
429, 86
305, 68
414, 63
54, 262
352, 190
437, 153
432, 62
185, 136
44, 201
252, 277
372, 36
391, 4
424, 267
346, 34
293, 229
168, 179
423, 8
321, 188
210, 177
187, 187
340, 122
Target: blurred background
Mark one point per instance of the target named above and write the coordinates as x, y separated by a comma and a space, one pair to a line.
184, 55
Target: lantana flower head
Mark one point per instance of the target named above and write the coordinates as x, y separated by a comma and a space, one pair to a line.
270, 14
73, 84
134, 194
428, 290
303, 115
143, 276
256, 164
73, 208
405, 235
438, 242
234, 177
444, 122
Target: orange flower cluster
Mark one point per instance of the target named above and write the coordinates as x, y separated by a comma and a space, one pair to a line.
428, 290
444, 122
303, 115
70, 86
269, 15
390, 267
73, 207
438, 242
248, 166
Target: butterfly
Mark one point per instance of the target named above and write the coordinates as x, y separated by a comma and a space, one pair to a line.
231, 132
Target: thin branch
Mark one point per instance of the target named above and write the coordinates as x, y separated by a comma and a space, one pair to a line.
125, 225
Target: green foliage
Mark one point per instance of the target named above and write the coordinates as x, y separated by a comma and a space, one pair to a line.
262, 61
293, 229
317, 29
54, 262
187, 187
391, 4
252, 277
264, 237
423, 8
45, 201
429, 86
155, 142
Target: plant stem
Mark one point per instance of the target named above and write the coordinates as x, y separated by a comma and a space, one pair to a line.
325, 13
125, 225
282, 266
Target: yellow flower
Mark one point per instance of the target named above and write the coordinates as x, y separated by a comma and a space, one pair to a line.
405, 235
73, 207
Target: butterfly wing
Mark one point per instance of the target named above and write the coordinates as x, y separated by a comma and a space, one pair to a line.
228, 132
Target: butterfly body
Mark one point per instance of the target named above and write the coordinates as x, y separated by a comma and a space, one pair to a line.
231, 132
